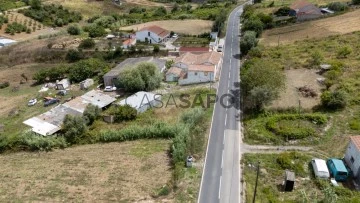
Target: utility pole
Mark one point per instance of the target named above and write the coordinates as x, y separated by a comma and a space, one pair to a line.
257, 178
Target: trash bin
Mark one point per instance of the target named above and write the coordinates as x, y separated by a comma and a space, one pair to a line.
189, 161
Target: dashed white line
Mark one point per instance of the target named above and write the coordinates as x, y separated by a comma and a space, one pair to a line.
222, 159
220, 187
225, 119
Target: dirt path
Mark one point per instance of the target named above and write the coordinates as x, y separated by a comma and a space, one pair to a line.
245, 148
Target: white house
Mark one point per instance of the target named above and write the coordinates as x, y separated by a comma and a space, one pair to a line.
352, 156
192, 68
152, 34
142, 101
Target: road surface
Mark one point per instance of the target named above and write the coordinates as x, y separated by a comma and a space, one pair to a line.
221, 176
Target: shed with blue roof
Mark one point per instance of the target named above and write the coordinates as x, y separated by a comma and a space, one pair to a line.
337, 169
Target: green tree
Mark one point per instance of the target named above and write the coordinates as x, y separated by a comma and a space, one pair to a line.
123, 113
35, 4
87, 68
334, 100
87, 44
156, 48
74, 127
283, 11
91, 113
247, 42
254, 24
73, 30
95, 31
131, 80
261, 82
73, 55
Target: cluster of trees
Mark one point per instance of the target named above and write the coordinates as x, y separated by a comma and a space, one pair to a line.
76, 72
51, 15
123, 113
261, 82
15, 27
73, 30
95, 30
143, 77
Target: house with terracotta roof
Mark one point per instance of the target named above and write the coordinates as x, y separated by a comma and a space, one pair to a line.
352, 157
152, 34
193, 50
131, 41
304, 10
192, 68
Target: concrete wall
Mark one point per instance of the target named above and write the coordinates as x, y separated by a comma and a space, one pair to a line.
109, 80
352, 151
153, 38
197, 77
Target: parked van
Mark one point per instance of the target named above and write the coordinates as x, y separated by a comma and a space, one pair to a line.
337, 169
221, 44
320, 168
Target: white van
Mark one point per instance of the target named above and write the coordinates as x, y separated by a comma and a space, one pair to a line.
220, 45
320, 168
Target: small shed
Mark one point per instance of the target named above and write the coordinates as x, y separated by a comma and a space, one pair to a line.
352, 157
62, 84
86, 84
142, 101
337, 169
289, 181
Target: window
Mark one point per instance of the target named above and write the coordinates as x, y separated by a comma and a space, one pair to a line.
195, 73
352, 159
149, 34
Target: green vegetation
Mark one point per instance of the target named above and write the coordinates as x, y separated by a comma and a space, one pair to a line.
91, 114
51, 74
15, 27
87, 68
74, 30
143, 77
3, 20
334, 100
87, 44
338, 6
247, 42
261, 83
123, 113
33, 142
51, 15
95, 30
11, 4
74, 128
4, 85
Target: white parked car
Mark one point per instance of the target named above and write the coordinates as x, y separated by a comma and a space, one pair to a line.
320, 168
175, 36
32, 102
109, 89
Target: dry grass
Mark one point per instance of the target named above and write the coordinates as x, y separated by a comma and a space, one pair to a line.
20, 18
120, 172
342, 24
290, 97
192, 27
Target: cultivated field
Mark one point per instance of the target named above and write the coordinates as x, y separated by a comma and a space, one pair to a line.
120, 172
192, 27
36, 27
337, 25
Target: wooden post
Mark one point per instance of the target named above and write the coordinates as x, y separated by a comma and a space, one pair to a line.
256, 183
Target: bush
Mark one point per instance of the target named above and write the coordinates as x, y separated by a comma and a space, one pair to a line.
334, 100
160, 11
91, 113
344, 52
73, 55
87, 44
4, 85
338, 6
123, 113
35, 142
247, 42
283, 11
87, 68
74, 128
255, 52
293, 161
253, 24
316, 58
156, 49
95, 30
266, 19
73, 30
51, 74
294, 132
15, 27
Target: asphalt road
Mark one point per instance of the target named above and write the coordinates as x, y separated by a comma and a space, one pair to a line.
221, 176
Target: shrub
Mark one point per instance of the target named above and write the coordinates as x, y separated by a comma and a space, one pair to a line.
87, 68
95, 30
15, 28
73, 55
156, 49
51, 74
266, 19
334, 100
4, 85
316, 58
73, 30
34, 142
343, 52
160, 11
123, 113
338, 6
105, 21
91, 113
87, 44
74, 128
295, 132
254, 24
255, 52
283, 11
247, 42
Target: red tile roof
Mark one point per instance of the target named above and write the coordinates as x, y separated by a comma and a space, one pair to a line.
356, 141
157, 30
201, 68
129, 41
194, 49
199, 59
175, 70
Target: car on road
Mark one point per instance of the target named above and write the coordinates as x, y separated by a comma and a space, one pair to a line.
109, 89
51, 102
32, 102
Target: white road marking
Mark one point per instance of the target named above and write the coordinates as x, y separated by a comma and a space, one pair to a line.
225, 119
222, 159
220, 187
